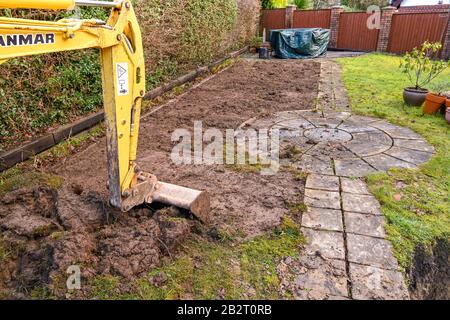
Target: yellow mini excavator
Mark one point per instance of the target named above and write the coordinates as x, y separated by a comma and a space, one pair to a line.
123, 76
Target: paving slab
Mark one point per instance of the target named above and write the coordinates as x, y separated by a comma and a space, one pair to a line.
331, 150
372, 283
360, 203
355, 127
325, 122
354, 185
419, 145
296, 124
320, 279
343, 115
328, 244
409, 155
310, 164
322, 182
370, 251
352, 168
384, 162
322, 199
364, 224
363, 119
365, 149
396, 131
373, 138
329, 134
325, 219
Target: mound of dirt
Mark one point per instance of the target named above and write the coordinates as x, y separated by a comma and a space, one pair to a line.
44, 231
430, 272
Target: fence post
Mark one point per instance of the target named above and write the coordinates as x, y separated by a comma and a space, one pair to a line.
334, 25
446, 44
289, 11
385, 28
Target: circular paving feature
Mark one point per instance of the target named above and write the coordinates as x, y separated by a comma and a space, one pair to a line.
339, 143
330, 135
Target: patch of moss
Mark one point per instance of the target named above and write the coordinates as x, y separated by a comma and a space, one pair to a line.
16, 179
107, 288
292, 152
297, 208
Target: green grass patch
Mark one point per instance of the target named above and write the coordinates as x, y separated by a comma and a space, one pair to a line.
213, 269
416, 203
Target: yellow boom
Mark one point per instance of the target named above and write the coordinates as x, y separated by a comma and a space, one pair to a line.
123, 77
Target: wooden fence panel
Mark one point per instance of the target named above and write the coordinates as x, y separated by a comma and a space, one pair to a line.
412, 29
312, 19
354, 34
273, 19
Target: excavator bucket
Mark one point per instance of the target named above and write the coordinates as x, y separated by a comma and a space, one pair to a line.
193, 200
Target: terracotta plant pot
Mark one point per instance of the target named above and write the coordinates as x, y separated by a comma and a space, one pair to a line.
447, 114
432, 103
414, 97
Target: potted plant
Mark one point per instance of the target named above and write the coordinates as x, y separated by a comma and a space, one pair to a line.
435, 98
447, 107
421, 67
447, 114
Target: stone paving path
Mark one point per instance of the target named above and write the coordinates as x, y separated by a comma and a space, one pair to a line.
347, 255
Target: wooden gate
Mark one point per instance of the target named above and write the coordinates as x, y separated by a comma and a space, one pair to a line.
354, 33
273, 19
412, 29
312, 19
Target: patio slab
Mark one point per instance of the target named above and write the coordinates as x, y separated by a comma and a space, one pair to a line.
328, 244
384, 162
325, 219
360, 203
322, 199
372, 283
370, 251
364, 224
409, 155
352, 168
321, 182
355, 185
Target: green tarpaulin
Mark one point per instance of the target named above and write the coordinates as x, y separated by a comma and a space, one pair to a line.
299, 43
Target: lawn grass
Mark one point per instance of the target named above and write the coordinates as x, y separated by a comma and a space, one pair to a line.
415, 202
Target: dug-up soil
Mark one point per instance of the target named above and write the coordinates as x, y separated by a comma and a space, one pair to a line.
45, 230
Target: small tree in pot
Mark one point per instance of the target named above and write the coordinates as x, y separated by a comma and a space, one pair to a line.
421, 67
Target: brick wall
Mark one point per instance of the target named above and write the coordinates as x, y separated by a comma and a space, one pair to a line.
334, 25
446, 48
385, 28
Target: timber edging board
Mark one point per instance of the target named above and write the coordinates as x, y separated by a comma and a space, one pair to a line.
10, 158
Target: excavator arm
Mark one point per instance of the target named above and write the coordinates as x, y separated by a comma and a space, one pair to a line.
123, 77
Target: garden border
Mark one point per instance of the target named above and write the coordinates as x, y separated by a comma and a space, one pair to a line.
10, 158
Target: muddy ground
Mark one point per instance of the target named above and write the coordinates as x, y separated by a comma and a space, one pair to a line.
46, 230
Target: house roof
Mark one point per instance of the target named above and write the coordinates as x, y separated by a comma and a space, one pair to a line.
408, 3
